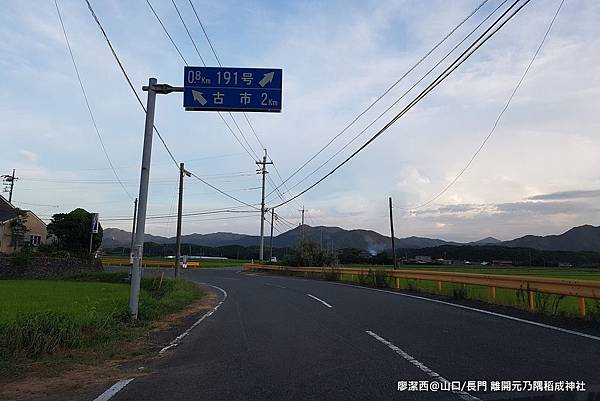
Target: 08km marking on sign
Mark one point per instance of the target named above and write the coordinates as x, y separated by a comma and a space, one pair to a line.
232, 89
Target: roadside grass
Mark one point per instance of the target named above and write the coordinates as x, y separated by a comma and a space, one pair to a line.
556, 272
204, 263
550, 304
87, 312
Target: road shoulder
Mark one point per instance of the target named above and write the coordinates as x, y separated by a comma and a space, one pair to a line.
83, 375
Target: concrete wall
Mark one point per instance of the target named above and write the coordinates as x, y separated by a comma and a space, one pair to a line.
46, 266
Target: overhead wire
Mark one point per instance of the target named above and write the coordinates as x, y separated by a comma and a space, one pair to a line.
248, 148
374, 102
122, 68
497, 121
406, 92
248, 121
483, 38
116, 57
87, 103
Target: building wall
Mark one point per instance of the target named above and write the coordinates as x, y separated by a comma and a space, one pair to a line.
4, 238
36, 228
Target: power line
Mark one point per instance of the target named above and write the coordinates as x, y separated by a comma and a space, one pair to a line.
510, 98
170, 216
140, 100
114, 53
461, 59
87, 103
214, 52
166, 32
244, 114
223, 192
411, 69
205, 34
250, 152
359, 134
187, 30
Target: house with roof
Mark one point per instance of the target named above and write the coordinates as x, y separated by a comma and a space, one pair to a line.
36, 234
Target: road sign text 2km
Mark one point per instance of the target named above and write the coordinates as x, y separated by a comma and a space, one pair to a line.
232, 89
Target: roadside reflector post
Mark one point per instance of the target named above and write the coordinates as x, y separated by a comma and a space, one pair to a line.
581, 306
493, 290
398, 282
531, 300
439, 286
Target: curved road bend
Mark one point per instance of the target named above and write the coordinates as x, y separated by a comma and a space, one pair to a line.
282, 338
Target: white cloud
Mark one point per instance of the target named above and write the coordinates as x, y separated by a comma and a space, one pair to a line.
337, 57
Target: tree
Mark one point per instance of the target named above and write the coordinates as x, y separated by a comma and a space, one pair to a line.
72, 231
18, 229
308, 253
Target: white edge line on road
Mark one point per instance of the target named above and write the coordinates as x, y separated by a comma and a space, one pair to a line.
175, 342
275, 285
487, 312
114, 389
320, 300
462, 394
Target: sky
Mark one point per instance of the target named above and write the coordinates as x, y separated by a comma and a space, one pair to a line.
539, 173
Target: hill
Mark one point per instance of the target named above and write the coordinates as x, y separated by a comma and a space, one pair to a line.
582, 238
329, 237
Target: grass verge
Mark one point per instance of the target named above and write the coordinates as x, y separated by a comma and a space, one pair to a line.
86, 312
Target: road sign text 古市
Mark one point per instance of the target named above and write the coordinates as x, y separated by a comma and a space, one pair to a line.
232, 89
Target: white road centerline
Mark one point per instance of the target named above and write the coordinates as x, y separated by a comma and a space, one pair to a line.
114, 389
320, 300
462, 394
175, 342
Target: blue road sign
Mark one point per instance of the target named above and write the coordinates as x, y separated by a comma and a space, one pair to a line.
232, 89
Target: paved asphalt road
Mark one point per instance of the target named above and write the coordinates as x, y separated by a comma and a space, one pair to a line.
270, 340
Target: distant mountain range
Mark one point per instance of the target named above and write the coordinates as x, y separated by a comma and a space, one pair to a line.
582, 238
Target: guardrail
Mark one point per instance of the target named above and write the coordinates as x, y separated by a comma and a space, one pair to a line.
581, 289
145, 263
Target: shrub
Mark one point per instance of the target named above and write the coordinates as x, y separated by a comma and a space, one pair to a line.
22, 259
31, 335
460, 292
331, 274
308, 253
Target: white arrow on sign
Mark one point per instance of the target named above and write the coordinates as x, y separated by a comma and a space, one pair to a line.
199, 98
266, 79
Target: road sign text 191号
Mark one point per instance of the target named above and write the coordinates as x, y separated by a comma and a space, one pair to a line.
232, 89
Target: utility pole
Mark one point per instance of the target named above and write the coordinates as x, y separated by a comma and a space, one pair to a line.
132, 237
10, 179
138, 245
262, 170
392, 232
302, 225
271, 242
182, 173
133, 230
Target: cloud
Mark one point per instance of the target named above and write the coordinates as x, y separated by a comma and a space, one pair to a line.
577, 194
337, 57
29, 155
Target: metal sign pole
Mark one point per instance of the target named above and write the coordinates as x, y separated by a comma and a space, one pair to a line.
143, 202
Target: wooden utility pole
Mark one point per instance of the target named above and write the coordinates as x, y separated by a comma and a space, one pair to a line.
271, 242
392, 232
182, 173
262, 170
302, 226
10, 179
